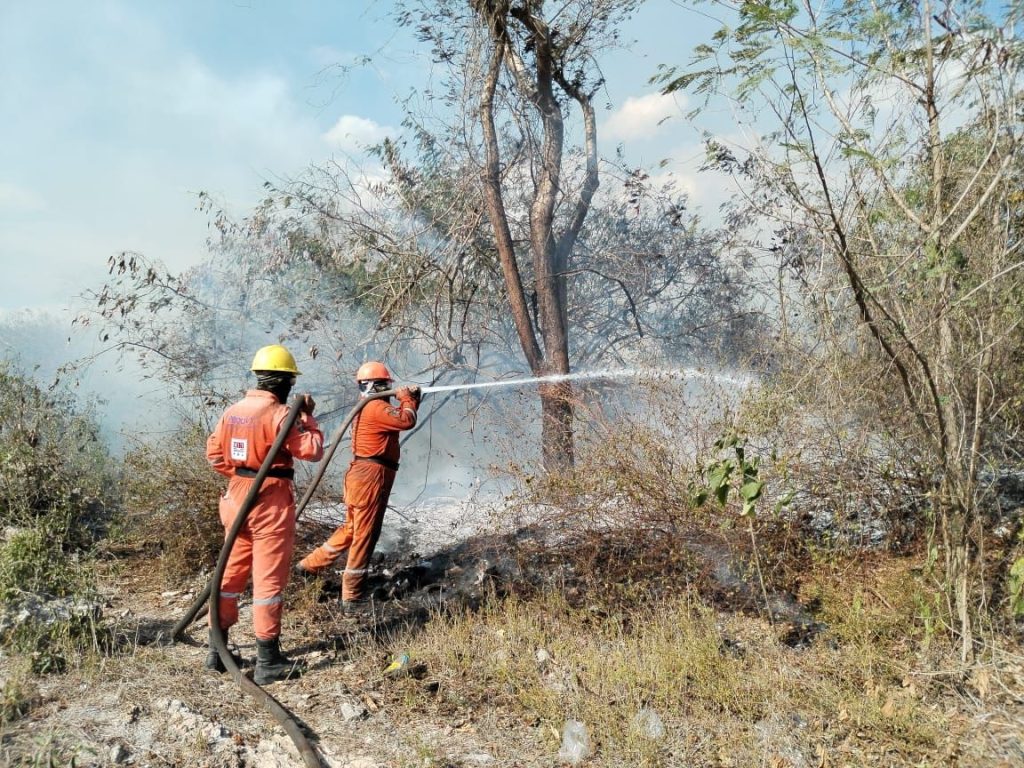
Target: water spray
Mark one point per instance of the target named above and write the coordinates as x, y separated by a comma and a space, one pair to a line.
631, 373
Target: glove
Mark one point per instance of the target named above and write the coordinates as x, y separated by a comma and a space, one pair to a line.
409, 392
308, 404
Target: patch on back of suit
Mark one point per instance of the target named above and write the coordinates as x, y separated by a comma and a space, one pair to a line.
239, 448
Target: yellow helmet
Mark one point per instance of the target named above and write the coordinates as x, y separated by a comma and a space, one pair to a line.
274, 358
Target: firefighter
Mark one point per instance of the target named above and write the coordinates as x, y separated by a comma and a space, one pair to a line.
237, 449
368, 483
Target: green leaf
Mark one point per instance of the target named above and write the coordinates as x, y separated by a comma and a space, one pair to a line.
752, 491
720, 475
784, 501
1016, 587
722, 494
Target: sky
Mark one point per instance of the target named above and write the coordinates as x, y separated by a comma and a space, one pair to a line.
117, 113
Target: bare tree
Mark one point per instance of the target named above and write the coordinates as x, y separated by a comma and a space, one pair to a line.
530, 67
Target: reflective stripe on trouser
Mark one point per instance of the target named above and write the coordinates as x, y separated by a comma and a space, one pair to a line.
324, 555
263, 549
367, 489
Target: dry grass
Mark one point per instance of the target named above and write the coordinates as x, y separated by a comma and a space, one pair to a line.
727, 690
171, 503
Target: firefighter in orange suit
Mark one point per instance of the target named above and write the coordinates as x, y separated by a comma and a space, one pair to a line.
237, 448
368, 482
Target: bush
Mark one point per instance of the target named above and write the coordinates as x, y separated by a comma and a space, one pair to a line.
630, 511
56, 497
17, 698
32, 561
53, 465
171, 496
623, 521
56, 488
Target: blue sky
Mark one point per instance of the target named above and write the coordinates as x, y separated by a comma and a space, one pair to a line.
116, 113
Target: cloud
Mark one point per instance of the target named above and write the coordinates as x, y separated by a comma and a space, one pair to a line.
252, 117
642, 117
706, 190
353, 133
17, 199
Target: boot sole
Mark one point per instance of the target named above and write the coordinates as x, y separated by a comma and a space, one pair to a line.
295, 675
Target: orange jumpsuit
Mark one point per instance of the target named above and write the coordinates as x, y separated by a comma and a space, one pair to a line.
368, 483
240, 443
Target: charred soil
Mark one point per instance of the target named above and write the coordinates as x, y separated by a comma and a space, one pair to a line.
481, 653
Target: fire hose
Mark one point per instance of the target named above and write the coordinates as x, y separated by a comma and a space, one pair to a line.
211, 596
333, 446
291, 727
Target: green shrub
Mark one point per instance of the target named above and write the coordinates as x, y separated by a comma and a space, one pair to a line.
54, 469
32, 561
17, 697
57, 496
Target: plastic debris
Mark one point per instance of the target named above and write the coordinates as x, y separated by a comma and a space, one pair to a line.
649, 724
575, 743
399, 666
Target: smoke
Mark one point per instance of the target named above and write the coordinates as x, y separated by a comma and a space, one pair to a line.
42, 343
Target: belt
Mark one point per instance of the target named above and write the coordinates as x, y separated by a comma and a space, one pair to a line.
392, 465
285, 473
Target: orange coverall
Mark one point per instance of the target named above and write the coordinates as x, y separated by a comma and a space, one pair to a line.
241, 441
368, 482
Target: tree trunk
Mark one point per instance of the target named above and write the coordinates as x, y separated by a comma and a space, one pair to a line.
557, 447
958, 576
549, 252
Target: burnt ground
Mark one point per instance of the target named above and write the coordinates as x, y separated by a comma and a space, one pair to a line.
151, 702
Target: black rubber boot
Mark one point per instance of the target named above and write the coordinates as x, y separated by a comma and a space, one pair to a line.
272, 665
357, 608
213, 661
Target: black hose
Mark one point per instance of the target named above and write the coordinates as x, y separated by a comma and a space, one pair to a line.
291, 727
335, 441
198, 608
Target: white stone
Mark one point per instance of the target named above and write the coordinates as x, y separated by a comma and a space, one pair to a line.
118, 754
352, 711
